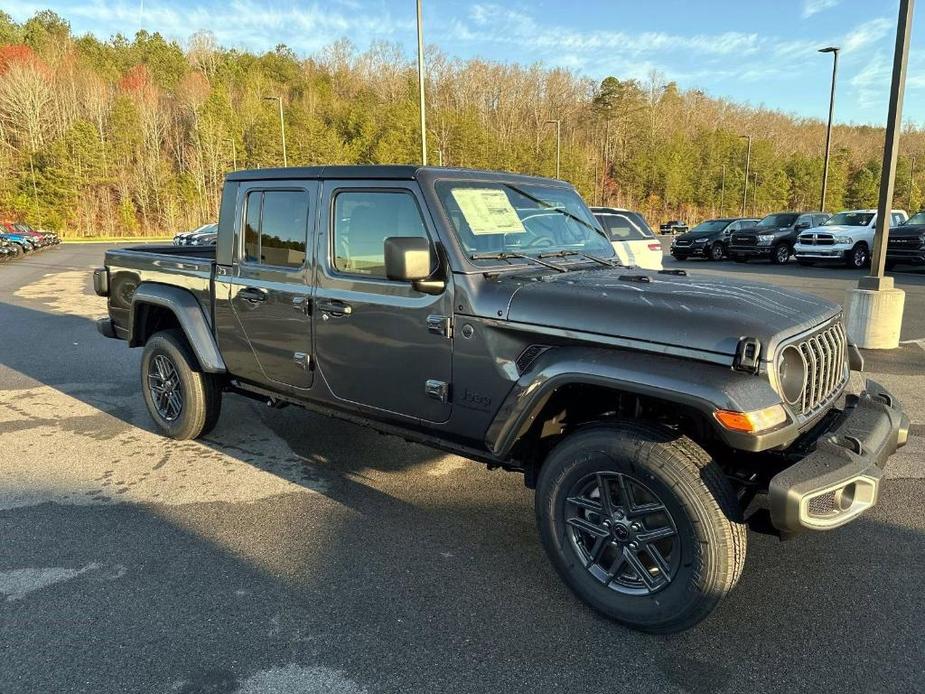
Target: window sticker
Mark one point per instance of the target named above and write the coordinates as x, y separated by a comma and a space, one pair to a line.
488, 211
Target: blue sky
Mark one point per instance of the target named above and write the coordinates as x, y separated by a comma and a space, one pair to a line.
751, 51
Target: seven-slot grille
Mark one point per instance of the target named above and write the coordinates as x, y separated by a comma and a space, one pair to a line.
825, 355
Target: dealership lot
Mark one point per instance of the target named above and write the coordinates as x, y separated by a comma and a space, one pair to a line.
310, 555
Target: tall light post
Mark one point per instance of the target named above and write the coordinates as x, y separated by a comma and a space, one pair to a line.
558, 124
282, 125
234, 154
874, 311
748, 161
828, 131
421, 85
911, 184
722, 194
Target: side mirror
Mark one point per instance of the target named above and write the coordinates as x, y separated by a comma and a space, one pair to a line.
410, 259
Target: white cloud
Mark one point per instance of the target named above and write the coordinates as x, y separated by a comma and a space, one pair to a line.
249, 24
867, 33
811, 7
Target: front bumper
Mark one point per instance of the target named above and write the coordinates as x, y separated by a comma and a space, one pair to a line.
698, 251
750, 251
906, 257
840, 479
820, 252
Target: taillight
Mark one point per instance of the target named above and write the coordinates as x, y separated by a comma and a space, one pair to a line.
655, 246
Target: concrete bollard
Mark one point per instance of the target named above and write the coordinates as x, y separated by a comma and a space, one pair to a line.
874, 317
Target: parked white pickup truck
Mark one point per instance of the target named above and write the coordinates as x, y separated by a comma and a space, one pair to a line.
846, 237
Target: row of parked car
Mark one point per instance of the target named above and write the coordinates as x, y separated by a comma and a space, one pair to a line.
18, 239
810, 237
201, 236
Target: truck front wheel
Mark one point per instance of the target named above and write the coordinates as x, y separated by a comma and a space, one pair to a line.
184, 402
641, 524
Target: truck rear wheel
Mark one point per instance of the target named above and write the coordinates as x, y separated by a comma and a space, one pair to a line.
641, 524
184, 402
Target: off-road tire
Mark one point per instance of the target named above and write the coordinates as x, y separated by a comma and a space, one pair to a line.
201, 392
706, 512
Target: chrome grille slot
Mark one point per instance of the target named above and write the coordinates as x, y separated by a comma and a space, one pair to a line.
825, 357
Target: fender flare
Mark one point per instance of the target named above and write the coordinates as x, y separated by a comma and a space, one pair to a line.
189, 314
694, 385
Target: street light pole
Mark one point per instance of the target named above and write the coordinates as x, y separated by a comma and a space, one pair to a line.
828, 132
722, 194
234, 154
748, 161
421, 84
558, 142
282, 124
911, 184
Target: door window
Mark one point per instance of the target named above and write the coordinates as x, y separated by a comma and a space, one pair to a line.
804, 221
363, 220
275, 227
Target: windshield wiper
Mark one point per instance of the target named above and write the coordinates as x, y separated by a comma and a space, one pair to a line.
507, 255
606, 262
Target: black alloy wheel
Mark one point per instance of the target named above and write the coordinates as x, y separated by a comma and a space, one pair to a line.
164, 385
623, 533
717, 252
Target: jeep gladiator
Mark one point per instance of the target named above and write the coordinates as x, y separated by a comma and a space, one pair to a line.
657, 416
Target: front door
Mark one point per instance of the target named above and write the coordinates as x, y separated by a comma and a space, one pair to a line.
378, 342
269, 289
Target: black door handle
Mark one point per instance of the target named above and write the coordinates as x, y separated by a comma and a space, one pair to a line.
335, 307
253, 294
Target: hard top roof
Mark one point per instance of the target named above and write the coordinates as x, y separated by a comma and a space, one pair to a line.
385, 172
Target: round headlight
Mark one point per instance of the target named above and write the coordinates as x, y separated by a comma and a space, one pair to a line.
791, 373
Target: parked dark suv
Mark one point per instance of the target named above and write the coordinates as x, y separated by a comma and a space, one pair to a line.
709, 239
773, 237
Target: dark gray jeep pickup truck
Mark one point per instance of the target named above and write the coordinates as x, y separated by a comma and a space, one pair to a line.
658, 416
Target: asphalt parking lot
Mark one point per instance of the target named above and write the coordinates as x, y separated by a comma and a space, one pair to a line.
291, 553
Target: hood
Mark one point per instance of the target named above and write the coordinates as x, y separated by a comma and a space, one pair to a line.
702, 314
907, 230
694, 235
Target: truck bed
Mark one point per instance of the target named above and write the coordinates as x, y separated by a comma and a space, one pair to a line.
191, 267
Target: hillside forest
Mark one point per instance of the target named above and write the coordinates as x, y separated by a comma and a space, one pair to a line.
129, 137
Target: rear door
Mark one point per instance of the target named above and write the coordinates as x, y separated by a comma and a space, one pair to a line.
269, 290
379, 343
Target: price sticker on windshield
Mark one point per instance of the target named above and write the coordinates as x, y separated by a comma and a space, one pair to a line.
488, 211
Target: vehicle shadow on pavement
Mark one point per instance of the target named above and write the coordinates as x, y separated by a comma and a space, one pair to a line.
380, 565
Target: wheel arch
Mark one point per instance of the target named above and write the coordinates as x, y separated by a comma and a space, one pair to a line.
588, 385
159, 307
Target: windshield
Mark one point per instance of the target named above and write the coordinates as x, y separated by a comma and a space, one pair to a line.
850, 219
918, 218
778, 220
490, 217
711, 225
624, 226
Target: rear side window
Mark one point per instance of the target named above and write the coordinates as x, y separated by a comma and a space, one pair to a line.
276, 227
621, 227
363, 220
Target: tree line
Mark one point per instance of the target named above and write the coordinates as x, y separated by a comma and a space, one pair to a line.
127, 137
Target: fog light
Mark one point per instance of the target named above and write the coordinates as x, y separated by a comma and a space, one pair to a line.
752, 422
